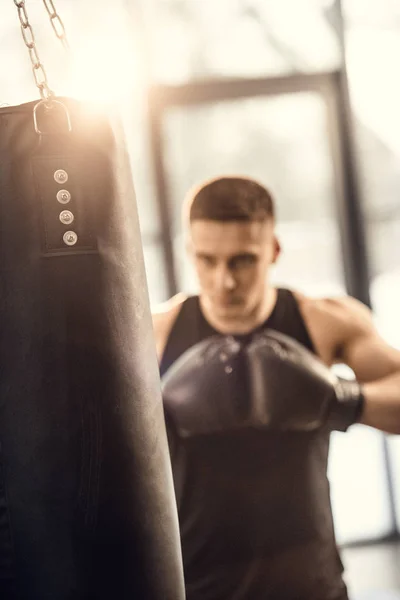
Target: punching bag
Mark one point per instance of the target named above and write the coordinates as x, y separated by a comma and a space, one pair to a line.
87, 508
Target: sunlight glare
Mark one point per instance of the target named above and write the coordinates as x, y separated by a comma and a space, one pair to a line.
103, 70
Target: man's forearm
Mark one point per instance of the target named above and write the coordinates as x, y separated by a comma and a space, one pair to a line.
382, 404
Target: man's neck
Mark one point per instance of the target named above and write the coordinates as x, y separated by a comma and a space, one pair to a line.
243, 324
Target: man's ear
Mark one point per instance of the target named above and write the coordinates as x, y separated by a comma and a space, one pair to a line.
277, 249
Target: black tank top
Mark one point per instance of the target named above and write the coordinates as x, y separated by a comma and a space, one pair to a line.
254, 506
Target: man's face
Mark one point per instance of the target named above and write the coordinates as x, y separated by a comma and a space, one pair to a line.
232, 261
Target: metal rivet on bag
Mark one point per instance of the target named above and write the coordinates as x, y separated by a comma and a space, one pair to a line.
228, 369
66, 217
61, 176
70, 238
63, 196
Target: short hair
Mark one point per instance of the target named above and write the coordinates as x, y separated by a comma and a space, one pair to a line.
229, 198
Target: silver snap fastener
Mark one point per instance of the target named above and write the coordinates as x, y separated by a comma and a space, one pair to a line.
70, 238
61, 176
63, 196
228, 369
66, 217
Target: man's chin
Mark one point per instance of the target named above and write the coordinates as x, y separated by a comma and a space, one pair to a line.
230, 311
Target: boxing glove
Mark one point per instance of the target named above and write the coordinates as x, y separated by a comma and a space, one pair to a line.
291, 389
203, 389
266, 380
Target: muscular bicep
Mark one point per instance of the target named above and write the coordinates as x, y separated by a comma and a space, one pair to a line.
366, 352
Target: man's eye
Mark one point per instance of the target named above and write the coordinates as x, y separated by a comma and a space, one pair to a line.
208, 261
243, 261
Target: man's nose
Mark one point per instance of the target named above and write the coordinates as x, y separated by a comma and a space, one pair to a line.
225, 279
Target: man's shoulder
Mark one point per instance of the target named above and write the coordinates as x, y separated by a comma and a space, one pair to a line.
333, 321
166, 310
164, 316
341, 308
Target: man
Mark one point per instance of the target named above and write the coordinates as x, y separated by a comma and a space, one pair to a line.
250, 403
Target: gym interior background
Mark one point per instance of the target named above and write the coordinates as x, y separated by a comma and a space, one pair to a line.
304, 96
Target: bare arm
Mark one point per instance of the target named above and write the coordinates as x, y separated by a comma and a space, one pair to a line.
163, 319
375, 364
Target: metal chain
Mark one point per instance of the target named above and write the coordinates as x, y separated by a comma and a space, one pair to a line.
39, 73
38, 69
56, 23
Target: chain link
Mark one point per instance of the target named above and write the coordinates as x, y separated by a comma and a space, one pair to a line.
56, 23
28, 36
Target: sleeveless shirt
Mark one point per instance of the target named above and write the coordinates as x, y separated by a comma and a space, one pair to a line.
254, 505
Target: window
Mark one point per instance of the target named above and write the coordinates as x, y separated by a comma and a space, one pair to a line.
373, 40
283, 141
197, 39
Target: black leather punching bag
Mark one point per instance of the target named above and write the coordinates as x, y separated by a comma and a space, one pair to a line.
87, 508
